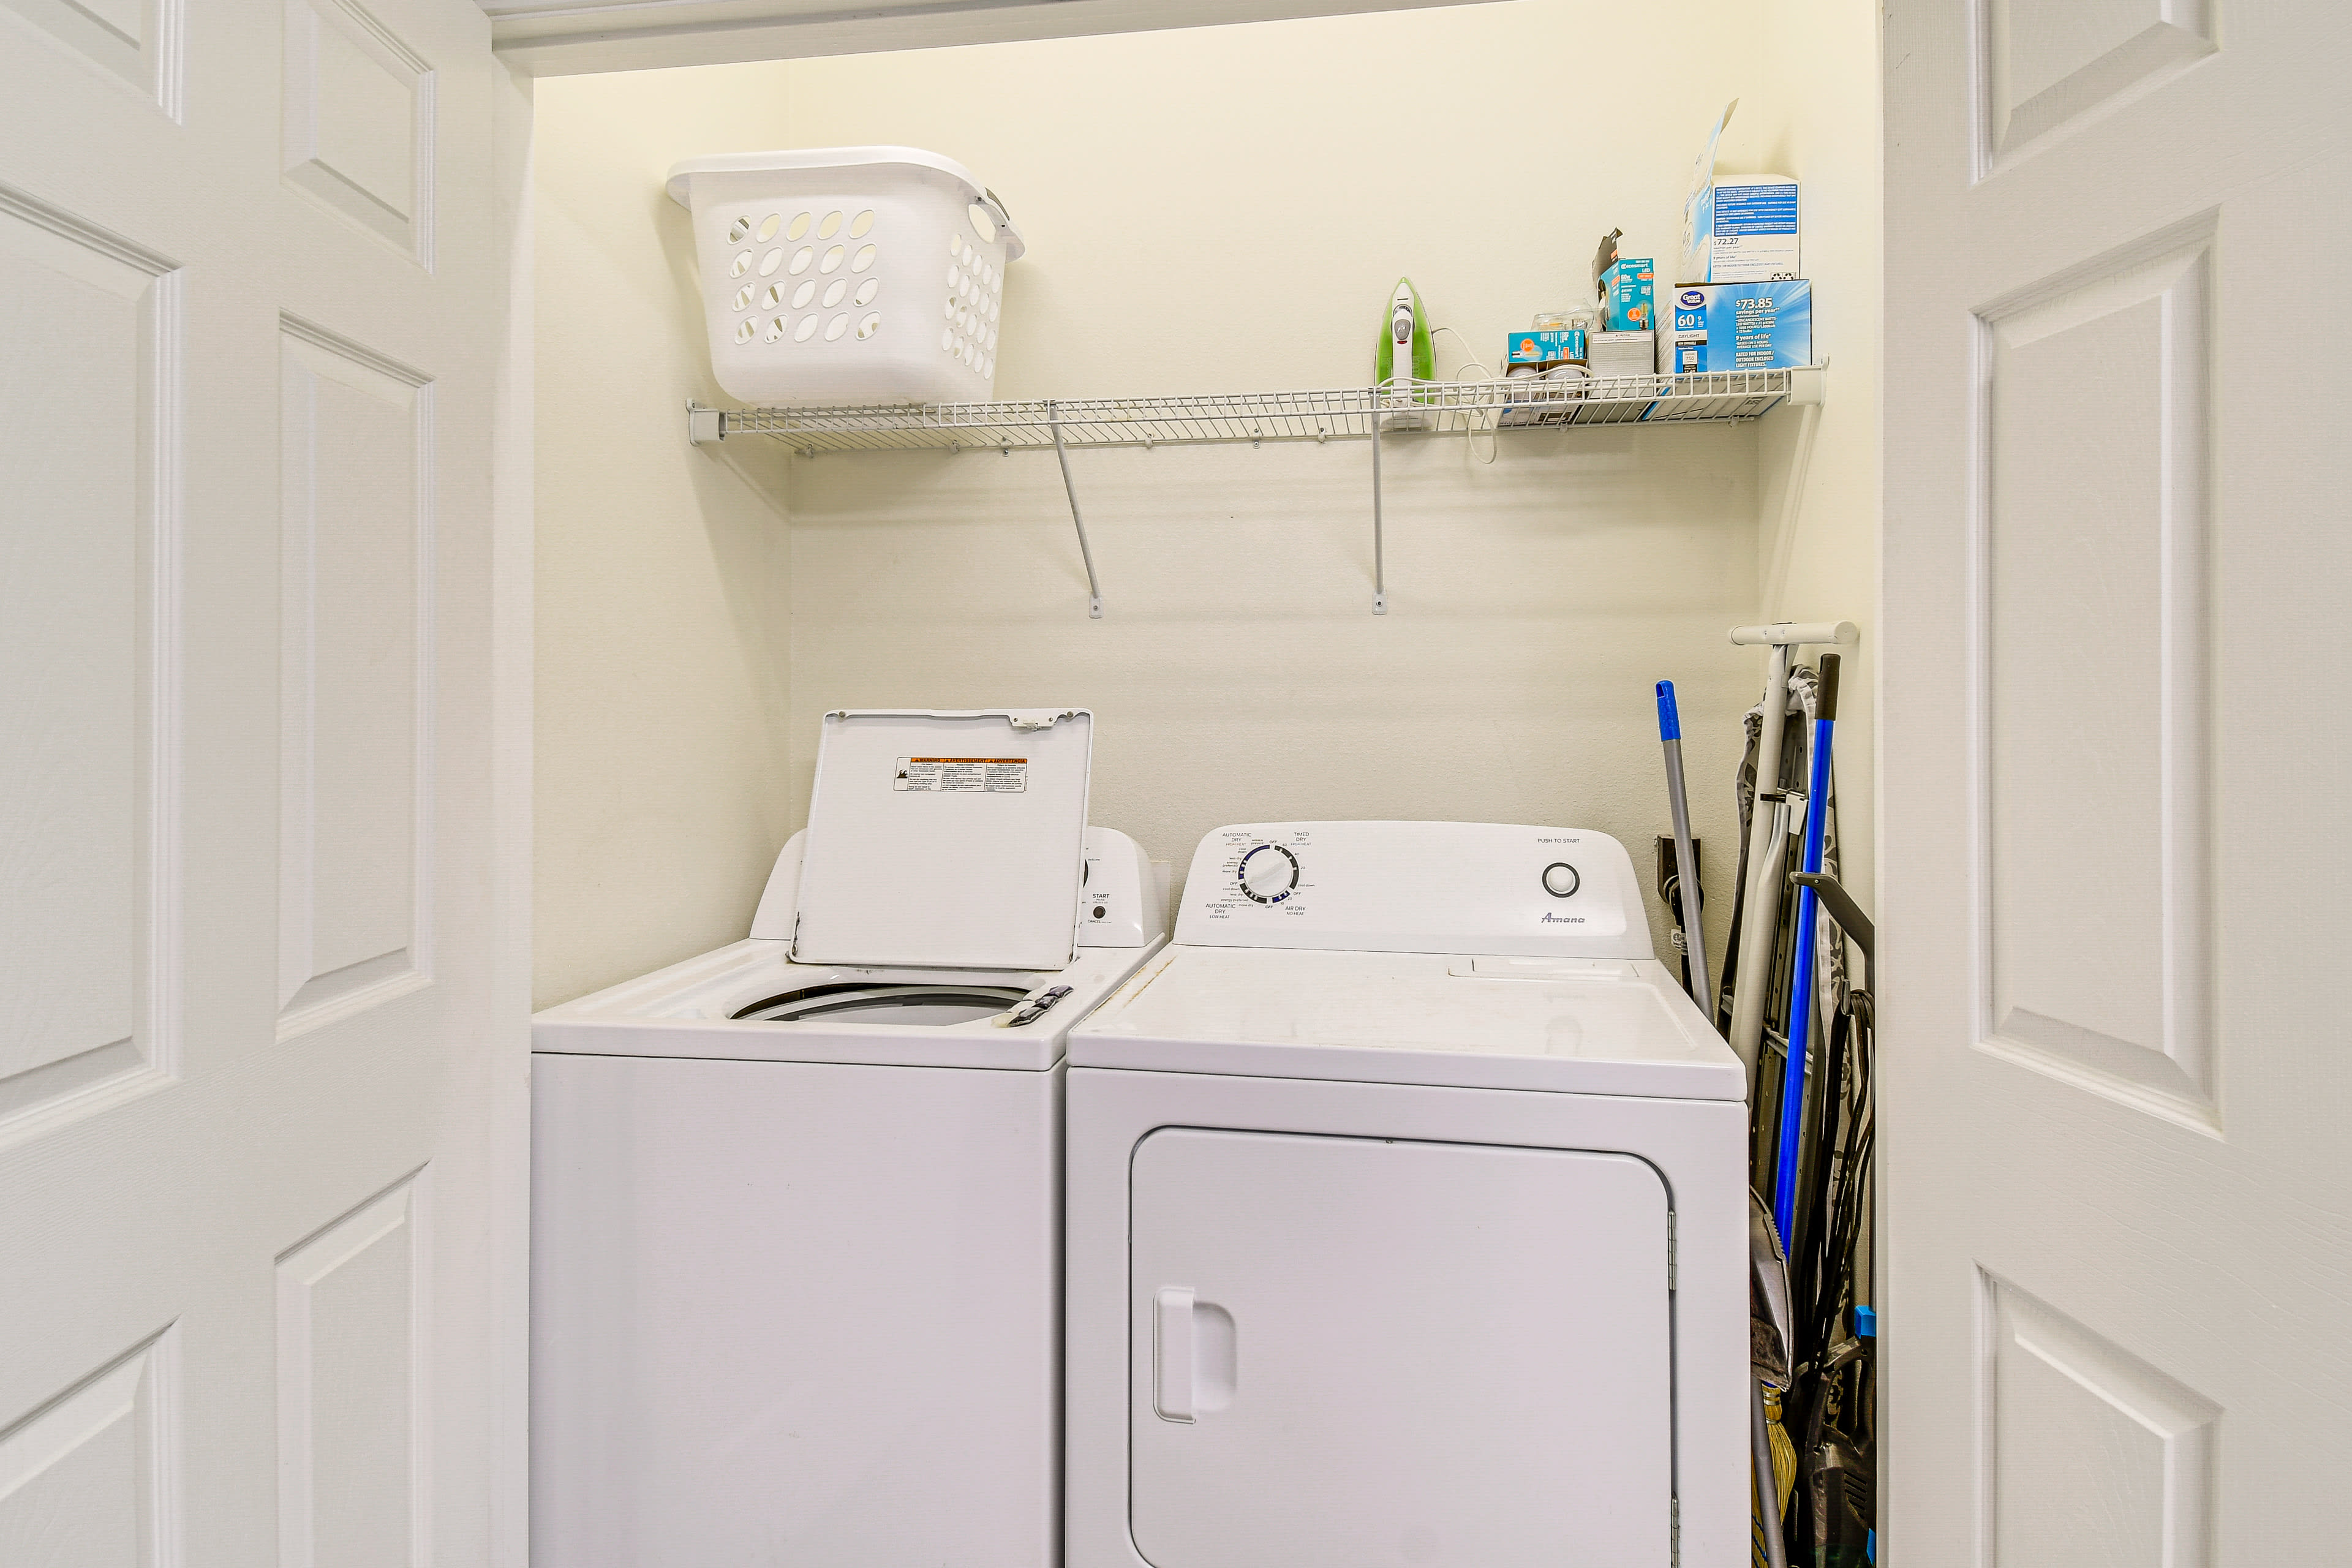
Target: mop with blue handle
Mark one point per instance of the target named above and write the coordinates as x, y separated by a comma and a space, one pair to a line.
1800, 1002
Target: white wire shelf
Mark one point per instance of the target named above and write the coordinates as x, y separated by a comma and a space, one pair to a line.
1376, 414
1441, 407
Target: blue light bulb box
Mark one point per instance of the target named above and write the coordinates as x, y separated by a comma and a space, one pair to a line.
1742, 326
1626, 295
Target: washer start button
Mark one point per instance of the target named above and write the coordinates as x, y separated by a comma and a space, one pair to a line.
1560, 879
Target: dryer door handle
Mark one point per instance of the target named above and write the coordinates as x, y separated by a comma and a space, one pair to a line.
1171, 1359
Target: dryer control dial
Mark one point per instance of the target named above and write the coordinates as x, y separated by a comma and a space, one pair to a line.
1268, 874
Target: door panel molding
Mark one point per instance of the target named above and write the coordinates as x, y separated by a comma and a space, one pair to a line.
140, 43
353, 1344
359, 123
2069, 1424
2095, 943
111, 409
2039, 70
345, 943
92, 1475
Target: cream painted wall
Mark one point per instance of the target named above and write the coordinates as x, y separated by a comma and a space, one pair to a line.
1822, 59
663, 577
1238, 674
1221, 209
1247, 236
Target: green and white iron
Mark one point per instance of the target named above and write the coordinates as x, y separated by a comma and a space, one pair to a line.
1405, 355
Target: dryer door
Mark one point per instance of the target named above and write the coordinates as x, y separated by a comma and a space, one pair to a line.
1351, 1351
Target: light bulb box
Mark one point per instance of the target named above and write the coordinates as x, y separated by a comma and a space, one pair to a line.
1629, 295
1545, 345
1743, 229
1742, 326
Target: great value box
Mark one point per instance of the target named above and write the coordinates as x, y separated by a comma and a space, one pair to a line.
1742, 326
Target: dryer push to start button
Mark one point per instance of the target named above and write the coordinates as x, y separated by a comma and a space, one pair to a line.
1560, 879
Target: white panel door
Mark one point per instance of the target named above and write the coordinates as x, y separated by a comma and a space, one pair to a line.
1367, 1351
249, 304
2116, 1211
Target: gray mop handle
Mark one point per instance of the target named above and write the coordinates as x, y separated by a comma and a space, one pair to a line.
1670, 733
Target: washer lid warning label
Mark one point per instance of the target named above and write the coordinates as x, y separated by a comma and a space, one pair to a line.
962, 776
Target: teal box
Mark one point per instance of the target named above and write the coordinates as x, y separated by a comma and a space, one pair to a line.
1629, 295
1545, 345
1742, 326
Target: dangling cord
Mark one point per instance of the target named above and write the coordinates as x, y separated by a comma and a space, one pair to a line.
1488, 417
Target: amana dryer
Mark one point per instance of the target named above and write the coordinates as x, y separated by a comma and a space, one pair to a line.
1408, 1214
795, 1254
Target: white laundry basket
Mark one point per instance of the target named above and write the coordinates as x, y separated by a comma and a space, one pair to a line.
848, 275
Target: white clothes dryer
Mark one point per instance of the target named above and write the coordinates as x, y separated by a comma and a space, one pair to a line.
1407, 1220
795, 1248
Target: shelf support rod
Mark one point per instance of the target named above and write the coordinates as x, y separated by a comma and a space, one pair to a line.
1085, 553
1379, 571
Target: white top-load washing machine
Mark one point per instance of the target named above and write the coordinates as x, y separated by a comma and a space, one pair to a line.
1408, 1220
795, 1253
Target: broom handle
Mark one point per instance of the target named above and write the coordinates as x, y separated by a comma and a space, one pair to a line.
1760, 901
1767, 1479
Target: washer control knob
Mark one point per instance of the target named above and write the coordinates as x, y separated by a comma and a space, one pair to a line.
1560, 879
1268, 874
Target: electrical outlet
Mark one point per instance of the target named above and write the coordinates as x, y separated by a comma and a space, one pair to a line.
1664, 880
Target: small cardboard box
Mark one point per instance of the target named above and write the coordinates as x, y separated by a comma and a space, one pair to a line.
1744, 230
1629, 295
1624, 353
1742, 326
1545, 345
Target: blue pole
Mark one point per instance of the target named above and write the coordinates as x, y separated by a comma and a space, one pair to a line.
1800, 1000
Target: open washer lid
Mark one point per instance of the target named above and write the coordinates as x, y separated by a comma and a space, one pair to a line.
951, 840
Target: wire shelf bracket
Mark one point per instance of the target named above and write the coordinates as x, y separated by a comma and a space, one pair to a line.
1077, 517
1380, 566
